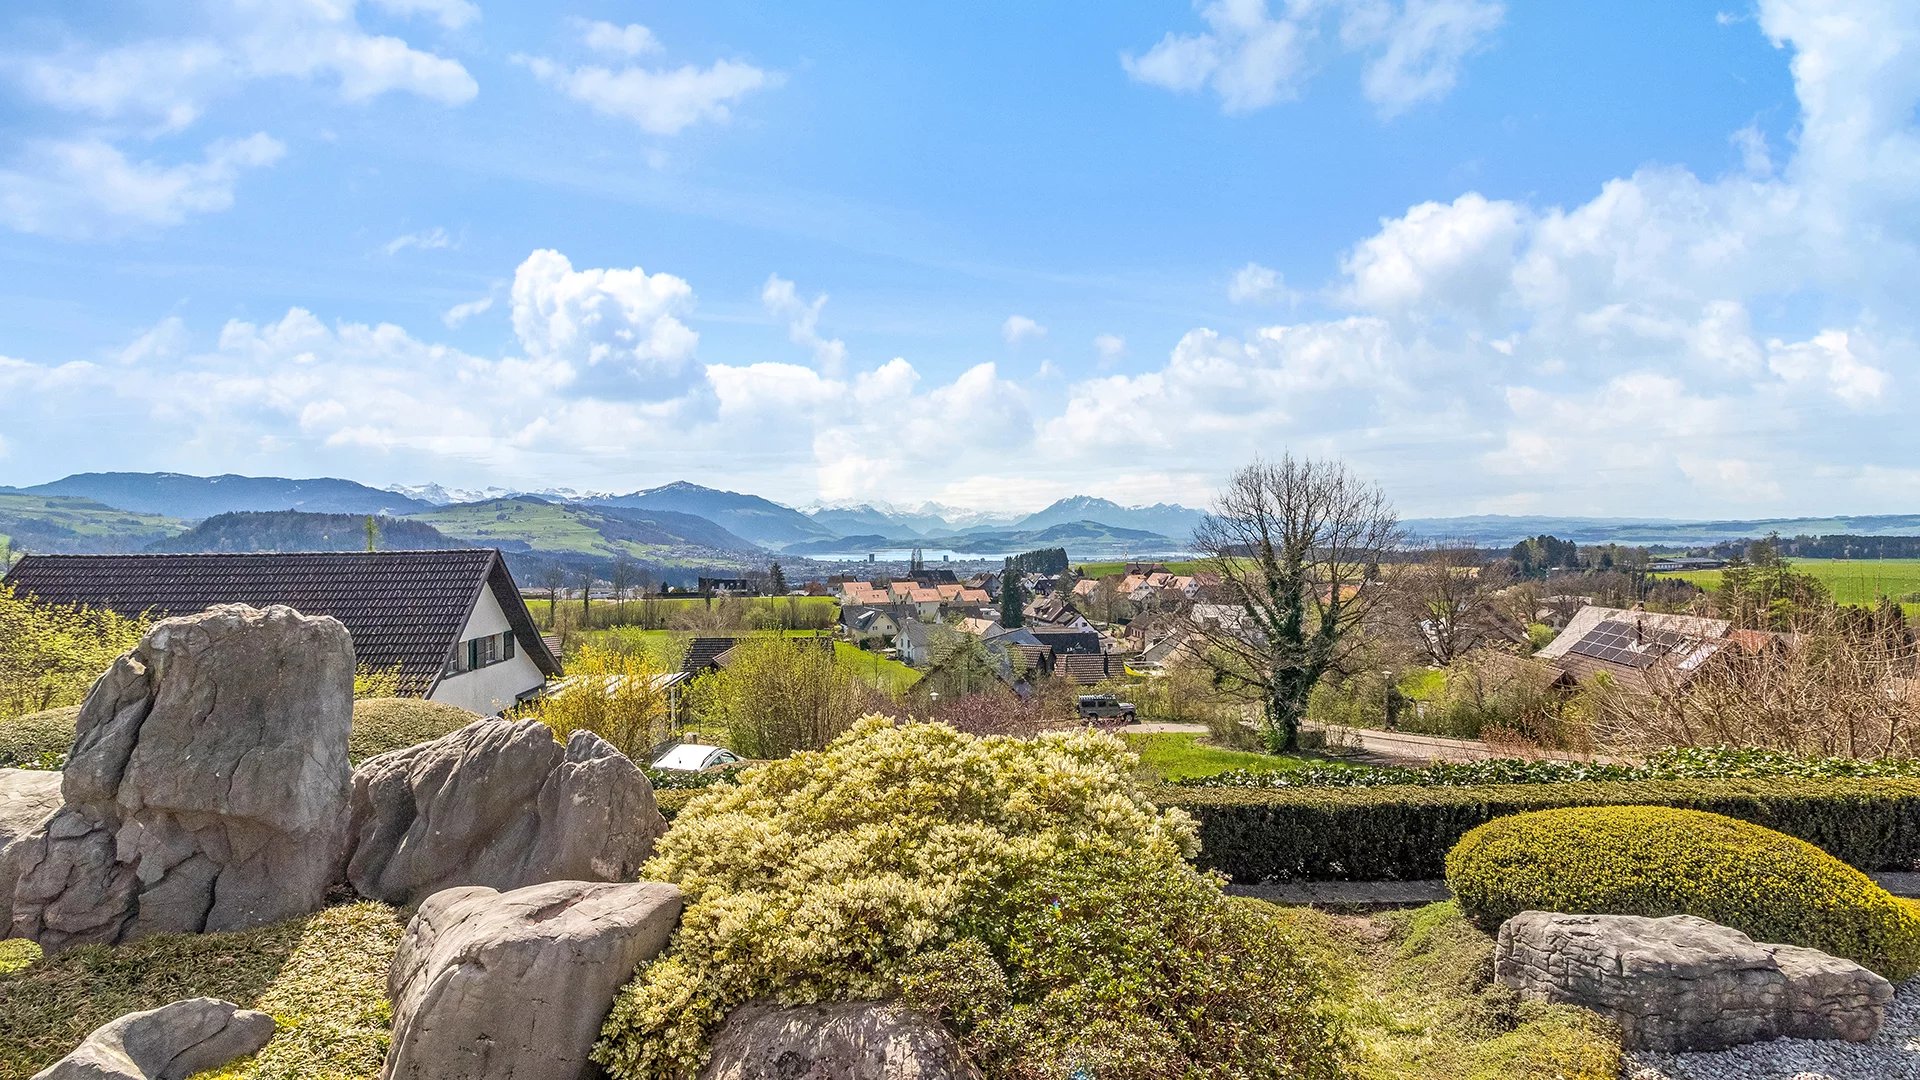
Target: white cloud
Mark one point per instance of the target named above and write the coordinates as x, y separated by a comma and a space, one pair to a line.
661, 101
452, 14
1019, 328
1251, 58
1437, 257
615, 331
1256, 284
1111, 348
1828, 358
630, 40
170, 81
782, 300
434, 239
458, 314
88, 187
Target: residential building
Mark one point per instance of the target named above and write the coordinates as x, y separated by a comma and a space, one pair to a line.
450, 624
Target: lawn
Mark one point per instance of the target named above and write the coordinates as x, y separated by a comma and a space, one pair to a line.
1853, 581
1108, 569
608, 613
1181, 756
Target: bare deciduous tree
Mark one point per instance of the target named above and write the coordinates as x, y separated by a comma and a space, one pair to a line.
1446, 602
1294, 543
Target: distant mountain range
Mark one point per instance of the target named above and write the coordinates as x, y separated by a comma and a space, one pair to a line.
177, 495
682, 525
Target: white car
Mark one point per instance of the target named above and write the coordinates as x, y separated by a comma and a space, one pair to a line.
695, 757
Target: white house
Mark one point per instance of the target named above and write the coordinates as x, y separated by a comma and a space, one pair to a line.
449, 625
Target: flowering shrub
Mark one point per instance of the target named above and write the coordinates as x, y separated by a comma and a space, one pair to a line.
1022, 890
1687, 763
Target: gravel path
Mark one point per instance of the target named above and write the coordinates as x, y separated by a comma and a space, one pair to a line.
1894, 1054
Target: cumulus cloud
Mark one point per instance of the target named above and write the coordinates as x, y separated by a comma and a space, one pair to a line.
1250, 57
782, 300
1110, 347
1019, 328
615, 331
90, 188
659, 100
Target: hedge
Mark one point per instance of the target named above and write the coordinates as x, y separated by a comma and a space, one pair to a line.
1658, 861
1404, 833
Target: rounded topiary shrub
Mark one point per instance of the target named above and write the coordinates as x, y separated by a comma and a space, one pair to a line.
1021, 890
38, 740
383, 724
1657, 861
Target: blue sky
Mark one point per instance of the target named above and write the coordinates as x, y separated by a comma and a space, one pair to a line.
1645, 258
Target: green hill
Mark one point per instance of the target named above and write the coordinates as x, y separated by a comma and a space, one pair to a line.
64, 525
292, 530
576, 533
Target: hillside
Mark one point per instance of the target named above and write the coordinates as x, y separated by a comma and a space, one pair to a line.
77, 526
749, 517
574, 533
1165, 519
179, 495
854, 522
293, 530
1500, 529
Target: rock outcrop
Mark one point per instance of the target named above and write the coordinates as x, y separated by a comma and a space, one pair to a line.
498, 803
169, 1043
28, 797
1684, 984
849, 1040
207, 788
515, 986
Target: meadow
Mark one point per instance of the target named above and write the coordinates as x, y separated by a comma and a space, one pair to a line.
1853, 581
665, 647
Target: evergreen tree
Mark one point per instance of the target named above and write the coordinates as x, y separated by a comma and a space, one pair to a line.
373, 534
1012, 611
776, 580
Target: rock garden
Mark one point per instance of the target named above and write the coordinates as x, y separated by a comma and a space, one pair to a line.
233, 876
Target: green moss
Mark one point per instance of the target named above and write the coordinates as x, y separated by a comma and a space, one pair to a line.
1415, 992
383, 724
1657, 861
37, 740
322, 977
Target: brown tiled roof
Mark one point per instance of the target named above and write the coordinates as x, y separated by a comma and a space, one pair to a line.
405, 609
1088, 668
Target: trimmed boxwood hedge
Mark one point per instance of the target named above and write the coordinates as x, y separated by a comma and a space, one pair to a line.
1658, 861
1404, 833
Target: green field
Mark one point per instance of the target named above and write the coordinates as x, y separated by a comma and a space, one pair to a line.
1108, 569
1853, 581
59, 524
609, 612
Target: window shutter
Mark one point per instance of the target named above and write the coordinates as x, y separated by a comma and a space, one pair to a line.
506, 642
473, 654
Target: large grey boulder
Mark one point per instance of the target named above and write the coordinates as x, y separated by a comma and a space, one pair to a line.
169, 1043
207, 788
28, 797
847, 1040
498, 803
515, 986
1685, 984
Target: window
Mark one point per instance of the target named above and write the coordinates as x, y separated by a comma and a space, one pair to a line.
481, 652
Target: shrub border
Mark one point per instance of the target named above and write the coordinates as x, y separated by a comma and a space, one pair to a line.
1405, 832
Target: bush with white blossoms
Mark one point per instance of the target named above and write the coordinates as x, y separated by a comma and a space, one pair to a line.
1022, 890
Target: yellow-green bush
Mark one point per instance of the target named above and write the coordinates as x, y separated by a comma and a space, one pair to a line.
1022, 890
395, 723
1651, 860
37, 740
